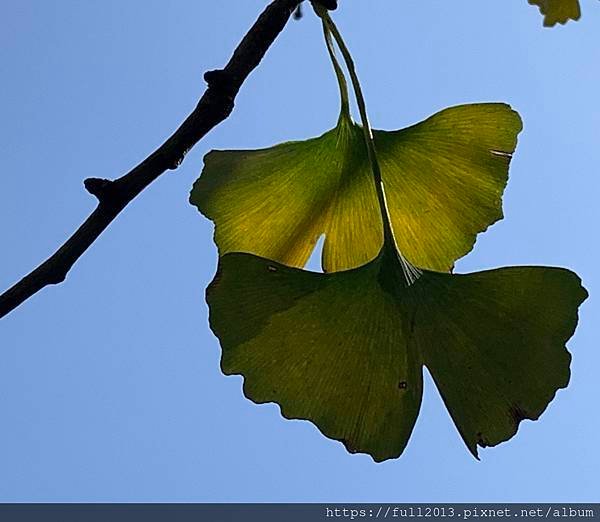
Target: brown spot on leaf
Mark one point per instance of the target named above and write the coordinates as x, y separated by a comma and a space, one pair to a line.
402, 385
481, 440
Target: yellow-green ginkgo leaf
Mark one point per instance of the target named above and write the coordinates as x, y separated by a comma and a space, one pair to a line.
444, 180
345, 350
558, 11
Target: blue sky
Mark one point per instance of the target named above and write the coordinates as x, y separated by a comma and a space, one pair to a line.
110, 388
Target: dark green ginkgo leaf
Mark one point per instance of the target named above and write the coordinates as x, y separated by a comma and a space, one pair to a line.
444, 180
558, 11
345, 350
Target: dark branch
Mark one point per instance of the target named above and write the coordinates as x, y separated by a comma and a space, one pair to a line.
99, 187
113, 196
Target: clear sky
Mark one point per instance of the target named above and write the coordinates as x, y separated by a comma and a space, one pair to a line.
110, 388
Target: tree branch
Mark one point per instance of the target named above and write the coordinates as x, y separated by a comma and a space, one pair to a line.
215, 106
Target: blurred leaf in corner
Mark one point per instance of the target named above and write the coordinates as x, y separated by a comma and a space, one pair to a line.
558, 11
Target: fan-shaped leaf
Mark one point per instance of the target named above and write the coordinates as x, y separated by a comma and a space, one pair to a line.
346, 350
444, 179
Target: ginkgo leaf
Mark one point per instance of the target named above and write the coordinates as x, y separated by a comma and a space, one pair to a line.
346, 350
444, 180
558, 11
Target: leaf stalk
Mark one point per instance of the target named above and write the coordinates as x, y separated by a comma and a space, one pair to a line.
330, 30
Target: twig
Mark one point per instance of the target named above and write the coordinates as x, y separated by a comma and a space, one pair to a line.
215, 106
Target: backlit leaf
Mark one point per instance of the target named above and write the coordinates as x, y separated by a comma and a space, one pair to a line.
444, 180
346, 350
